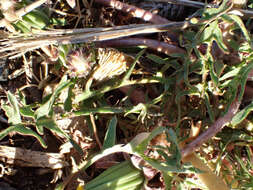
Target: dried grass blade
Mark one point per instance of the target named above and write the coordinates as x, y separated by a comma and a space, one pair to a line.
21, 45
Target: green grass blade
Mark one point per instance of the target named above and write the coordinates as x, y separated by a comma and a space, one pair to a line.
109, 171
130, 70
110, 136
104, 110
121, 183
116, 85
209, 108
68, 101
121, 175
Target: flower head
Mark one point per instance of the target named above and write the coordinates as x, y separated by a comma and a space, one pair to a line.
80, 63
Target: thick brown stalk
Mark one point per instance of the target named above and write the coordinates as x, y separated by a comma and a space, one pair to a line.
134, 11
138, 13
163, 47
212, 130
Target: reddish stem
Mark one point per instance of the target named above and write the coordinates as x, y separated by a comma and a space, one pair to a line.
163, 47
134, 11
212, 130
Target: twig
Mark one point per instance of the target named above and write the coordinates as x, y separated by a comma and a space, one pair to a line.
21, 12
163, 47
92, 119
212, 130
134, 11
28, 158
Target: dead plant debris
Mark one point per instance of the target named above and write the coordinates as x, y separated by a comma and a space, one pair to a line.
134, 94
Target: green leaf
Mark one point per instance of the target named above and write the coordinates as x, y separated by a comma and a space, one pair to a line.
167, 180
191, 92
162, 166
212, 13
213, 75
208, 32
27, 111
173, 137
23, 27
21, 129
58, 21
68, 101
240, 23
48, 105
243, 166
157, 59
114, 84
12, 111
240, 116
50, 124
37, 19
22, 98
142, 108
219, 39
130, 70
243, 76
110, 136
234, 72
103, 110
109, 172
122, 173
142, 146
209, 109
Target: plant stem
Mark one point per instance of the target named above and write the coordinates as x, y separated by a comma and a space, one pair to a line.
212, 130
163, 47
134, 11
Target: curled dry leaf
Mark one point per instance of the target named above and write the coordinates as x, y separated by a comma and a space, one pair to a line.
148, 171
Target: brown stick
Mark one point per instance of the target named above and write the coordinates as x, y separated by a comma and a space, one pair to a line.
212, 130
28, 158
163, 47
134, 11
